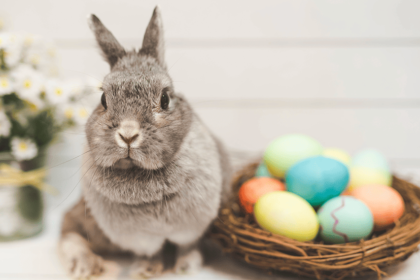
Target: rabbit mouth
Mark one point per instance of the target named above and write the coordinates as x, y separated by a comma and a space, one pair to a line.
124, 163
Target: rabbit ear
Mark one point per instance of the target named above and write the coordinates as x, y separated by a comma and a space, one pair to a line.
153, 43
111, 49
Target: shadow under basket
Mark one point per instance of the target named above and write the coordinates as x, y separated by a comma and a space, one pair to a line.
241, 237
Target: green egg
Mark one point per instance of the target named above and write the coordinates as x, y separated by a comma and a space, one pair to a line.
344, 219
371, 159
285, 151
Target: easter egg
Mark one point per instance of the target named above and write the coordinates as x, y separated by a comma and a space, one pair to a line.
360, 176
262, 171
254, 188
285, 151
344, 219
287, 214
317, 179
385, 203
337, 154
370, 159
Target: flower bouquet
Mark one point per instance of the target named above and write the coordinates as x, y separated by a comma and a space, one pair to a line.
35, 105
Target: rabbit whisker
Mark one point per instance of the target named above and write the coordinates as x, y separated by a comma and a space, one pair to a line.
77, 171
74, 187
49, 168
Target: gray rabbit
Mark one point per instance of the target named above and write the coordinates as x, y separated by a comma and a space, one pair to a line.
152, 171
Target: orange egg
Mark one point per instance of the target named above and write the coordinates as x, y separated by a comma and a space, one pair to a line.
254, 188
385, 203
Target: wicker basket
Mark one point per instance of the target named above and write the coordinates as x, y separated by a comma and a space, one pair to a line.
240, 236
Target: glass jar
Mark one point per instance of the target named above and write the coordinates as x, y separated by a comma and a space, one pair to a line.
21, 207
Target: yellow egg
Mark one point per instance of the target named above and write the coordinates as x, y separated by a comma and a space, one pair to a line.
287, 214
337, 154
360, 176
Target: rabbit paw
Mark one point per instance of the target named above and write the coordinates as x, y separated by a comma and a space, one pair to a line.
145, 268
85, 266
190, 263
78, 259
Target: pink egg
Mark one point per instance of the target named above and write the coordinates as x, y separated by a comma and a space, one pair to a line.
385, 203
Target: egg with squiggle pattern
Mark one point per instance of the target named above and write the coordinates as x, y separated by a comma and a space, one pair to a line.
344, 219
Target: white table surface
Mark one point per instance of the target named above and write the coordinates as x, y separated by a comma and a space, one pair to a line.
36, 258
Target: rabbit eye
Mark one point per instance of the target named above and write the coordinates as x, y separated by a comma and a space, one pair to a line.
103, 101
164, 100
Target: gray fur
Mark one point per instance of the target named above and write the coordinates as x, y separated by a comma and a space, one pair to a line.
153, 42
170, 186
111, 49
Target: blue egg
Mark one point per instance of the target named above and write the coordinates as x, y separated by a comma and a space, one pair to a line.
317, 179
344, 219
262, 171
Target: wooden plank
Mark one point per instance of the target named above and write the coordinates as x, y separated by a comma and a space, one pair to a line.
209, 19
393, 131
267, 74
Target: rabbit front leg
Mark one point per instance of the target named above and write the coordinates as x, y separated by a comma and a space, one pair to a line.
77, 257
75, 251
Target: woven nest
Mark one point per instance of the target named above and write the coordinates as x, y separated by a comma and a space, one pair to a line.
240, 236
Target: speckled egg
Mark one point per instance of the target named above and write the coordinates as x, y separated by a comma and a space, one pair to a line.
337, 154
254, 188
361, 176
371, 159
287, 214
287, 150
385, 203
262, 171
317, 179
344, 219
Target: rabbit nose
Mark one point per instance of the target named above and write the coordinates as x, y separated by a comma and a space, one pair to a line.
128, 135
128, 140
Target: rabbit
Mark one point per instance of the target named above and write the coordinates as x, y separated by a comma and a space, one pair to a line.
152, 171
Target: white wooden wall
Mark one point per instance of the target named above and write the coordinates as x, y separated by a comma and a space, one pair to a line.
344, 72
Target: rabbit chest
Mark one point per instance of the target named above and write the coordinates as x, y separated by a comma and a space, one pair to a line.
177, 206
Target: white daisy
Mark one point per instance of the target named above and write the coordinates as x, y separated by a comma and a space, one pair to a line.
5, 40
81, 114
11, 56
35, 57
8, 39
32, 40
5, 124
66, 112
12, 48
23, 149
6, 85
57, 92
28, 83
